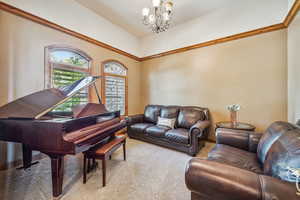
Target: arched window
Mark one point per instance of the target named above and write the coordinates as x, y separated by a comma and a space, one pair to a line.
63, 66
114, 86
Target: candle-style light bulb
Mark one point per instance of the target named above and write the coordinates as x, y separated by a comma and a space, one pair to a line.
166, 16
156, 3
151, 19
146, 12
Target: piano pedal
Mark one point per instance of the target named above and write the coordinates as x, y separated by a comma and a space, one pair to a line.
93, 166
31, 164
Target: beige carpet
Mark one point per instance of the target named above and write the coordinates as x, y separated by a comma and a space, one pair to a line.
150, 173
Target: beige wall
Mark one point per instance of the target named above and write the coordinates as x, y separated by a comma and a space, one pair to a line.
251, 72
294, 70
22, 63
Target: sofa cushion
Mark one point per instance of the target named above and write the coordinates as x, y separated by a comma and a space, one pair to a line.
169, 112
140, 127
157, 131
179, 135
235, 157
284, 154
189, 116
151, 113
273, 132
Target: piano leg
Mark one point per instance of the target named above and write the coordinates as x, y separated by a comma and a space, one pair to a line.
57, 168
27, 157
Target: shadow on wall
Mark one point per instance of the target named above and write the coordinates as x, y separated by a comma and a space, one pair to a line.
218, 115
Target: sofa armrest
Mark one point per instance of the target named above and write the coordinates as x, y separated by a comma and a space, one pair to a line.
246, 140
221, 181
199, 128
134, 119
254, 139
274, 188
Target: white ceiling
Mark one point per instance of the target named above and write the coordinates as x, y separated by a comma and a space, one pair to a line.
119, 22
194, 21
128, 13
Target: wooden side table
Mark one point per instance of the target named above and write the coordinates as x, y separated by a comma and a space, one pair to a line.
238, 126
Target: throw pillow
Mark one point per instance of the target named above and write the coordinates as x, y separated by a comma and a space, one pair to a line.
166, 122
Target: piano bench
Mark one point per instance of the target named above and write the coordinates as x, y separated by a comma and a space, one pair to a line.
103, 153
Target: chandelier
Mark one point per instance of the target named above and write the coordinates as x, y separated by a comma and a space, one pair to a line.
158, 18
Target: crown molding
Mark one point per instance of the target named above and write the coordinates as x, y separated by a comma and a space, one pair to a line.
39, 20
292, 13
287, 21
218, 41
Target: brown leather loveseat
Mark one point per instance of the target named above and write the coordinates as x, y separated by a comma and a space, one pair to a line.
191, 127
248, 166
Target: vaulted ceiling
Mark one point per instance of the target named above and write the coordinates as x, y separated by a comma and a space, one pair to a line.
118, 23
127, 13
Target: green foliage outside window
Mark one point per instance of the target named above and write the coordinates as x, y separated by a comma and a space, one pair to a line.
75, 61
68, 57
63, 77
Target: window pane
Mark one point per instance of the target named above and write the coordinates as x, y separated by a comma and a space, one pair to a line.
69, 57
115, 93
115, 68
62, 77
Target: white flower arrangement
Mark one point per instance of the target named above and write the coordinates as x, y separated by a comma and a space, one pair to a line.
234, 107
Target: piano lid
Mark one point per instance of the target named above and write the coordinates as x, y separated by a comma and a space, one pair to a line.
37, 104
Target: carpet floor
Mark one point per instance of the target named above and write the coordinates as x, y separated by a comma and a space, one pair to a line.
150, 173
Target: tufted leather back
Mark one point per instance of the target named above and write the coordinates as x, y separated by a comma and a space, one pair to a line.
188, 116
169, 112
151, 113
284, 153
274, 131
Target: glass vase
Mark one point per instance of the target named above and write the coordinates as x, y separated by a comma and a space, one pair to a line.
233, 118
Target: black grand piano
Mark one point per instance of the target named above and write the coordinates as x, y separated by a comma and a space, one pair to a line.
31, 121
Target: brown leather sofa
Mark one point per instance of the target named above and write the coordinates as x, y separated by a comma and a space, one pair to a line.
247, 166
191, 127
